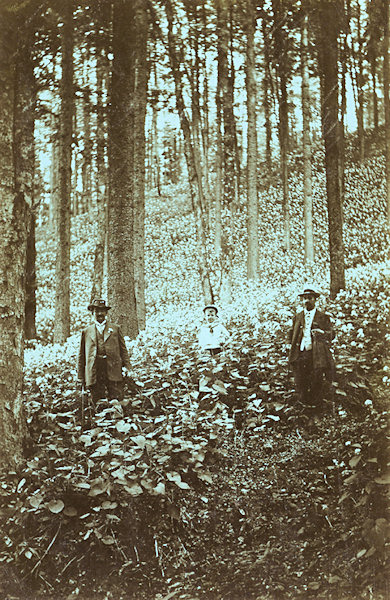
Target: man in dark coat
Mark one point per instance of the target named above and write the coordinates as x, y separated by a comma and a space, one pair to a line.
102, 356
310, 357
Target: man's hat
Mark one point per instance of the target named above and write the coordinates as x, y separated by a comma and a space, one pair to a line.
309, 291
98, 303
211, 306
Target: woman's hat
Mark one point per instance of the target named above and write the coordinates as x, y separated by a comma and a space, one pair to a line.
98, 303
211, 306
309, 291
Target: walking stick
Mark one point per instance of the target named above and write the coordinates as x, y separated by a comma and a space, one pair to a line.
83, 397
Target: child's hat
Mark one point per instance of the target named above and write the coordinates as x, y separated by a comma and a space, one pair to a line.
211, 306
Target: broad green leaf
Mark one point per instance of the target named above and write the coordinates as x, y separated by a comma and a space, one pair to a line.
107, 505
133, 489
85, 439
383, 479
175, 477
273, 417
314, 585
35, 501
98, 488
101, 451
83, 485
344, 497
119, 473
56, 506
160, 488
205, 477
108, 540
70, 511
21, 484
123, 427
140, 440
355, 460
350, 478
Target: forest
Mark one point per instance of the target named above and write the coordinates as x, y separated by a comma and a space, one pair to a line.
165, 155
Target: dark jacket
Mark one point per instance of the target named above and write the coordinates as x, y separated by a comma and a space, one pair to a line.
322, 356
116, 351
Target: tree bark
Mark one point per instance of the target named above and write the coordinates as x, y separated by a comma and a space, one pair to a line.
266, 99
386, 101
327, 34
218, 173
15, 193
373, 66
155, 159
343, 110
252, 202
53, 176
306, 146
360, 83
30, 331
281, 44
140, 99
205, 112
86, 169
229, 174
101, 173
121, 290
62, 302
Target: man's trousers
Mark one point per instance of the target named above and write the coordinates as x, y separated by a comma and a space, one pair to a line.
104, 387
309, 382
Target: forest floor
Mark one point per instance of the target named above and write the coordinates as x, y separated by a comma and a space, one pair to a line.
290, 504
245, 495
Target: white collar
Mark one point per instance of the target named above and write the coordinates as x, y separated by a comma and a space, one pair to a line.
100, 326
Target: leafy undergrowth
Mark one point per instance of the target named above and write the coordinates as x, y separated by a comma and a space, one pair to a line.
240, 494
171, 273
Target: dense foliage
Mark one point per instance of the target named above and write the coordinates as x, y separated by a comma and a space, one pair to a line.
239, 494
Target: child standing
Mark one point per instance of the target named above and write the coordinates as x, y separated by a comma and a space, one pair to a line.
212, 334
212, 337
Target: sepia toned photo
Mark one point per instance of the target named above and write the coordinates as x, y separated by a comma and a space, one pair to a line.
194, 299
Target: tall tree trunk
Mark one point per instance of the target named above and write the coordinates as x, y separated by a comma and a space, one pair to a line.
86, 169
306, 143
194, 176
15, 193
101, 173
77, 197
343, 110
281, 44
140, 98
205, 111
253, 209
156, 170
121, 290
30, 331
25, 159
327, 34
53, 176
266, 98
229, 166
62, 302
373, 60
360, 83
386, 101
196, 126
218, 173
231, 84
